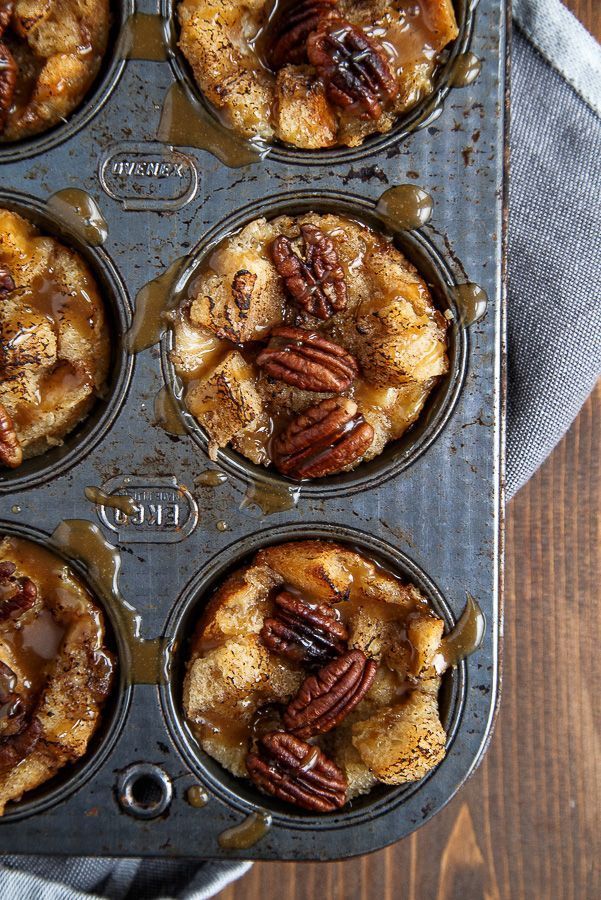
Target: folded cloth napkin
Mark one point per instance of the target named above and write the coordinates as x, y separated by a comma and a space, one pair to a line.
554, 246
554, 341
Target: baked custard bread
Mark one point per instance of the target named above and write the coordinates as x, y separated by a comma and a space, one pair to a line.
315, 673
55, 671
314, 73
308, 343
50, 54
54, 340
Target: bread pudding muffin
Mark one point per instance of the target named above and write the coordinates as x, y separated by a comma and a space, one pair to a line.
314, 73
54, 340
315, 672
50, 54
55, 671
307, 343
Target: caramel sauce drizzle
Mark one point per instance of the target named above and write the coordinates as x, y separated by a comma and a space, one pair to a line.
196, 796
472, 302
84, 541
247, 834
36, 641
186, 122
466, 69
145, 38
81, 213
406, 205
465, 638
122, 502
167, 414
270, 497
153, 301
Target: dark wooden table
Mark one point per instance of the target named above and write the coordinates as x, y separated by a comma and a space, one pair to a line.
528, 823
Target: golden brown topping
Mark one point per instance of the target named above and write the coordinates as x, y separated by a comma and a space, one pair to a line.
294, 771
353, 67
323, 440
317, 281
304, 633
326, 699
55, 671
17, 595
49, 57
14, 748
11, 454
308, 361
292, 29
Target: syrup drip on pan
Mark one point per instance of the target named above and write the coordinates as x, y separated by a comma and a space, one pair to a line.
472, 301
84, 541
185, 122
465, 70
210, 478
153, 301
145, 38
122, 502
270, 497
465, 638
167, 414
247, 834
406, 205
81, 213
197, 797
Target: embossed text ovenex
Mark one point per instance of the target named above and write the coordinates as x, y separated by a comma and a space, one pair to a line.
429, 507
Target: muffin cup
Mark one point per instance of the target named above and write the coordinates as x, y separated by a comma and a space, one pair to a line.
397, 455
86, 434
420, 116
73, 777
239, 793
104, 84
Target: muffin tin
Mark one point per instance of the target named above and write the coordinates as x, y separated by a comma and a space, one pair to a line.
430, 506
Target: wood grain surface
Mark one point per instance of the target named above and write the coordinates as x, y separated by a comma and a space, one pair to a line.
528, 823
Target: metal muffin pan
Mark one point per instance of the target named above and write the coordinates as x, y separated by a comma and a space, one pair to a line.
430, 507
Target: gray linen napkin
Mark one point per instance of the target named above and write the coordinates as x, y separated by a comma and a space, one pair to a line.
554, 261
554, 356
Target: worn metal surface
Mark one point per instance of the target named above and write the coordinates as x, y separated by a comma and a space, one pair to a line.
430, 507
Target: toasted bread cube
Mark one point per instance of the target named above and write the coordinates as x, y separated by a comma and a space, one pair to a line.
402, 743
226, 401
425, 635
242, 297
302, 114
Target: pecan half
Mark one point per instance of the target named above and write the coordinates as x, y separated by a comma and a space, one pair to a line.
353, 67
325, 699
322, 440
8, 81
19, 731
307, 361
317, 281
242, 288
7, 283
308, 634
14, 748
291, 30
6, 12
11, 454
17, 595
296, 772
12, 708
